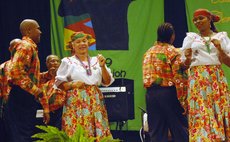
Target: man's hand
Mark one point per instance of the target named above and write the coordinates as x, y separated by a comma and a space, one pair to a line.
52, 72
45, 105
188, 53
46, 118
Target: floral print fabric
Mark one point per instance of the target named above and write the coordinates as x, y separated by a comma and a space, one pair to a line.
208, 105
55, 96
162, 66
86, 107
4, 77
25, 69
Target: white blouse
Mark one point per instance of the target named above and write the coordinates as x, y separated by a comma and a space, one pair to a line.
200, 54
71, 69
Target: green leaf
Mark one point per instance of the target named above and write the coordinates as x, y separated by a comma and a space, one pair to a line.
53, 134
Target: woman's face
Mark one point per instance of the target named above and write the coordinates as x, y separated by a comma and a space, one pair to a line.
80, 45
201, 22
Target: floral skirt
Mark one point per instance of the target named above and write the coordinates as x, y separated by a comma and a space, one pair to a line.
86, 107
208, 105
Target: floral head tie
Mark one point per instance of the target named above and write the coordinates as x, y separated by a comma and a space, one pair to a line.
78, 35
206, 13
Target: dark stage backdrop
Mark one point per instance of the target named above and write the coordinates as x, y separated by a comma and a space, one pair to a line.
12, 12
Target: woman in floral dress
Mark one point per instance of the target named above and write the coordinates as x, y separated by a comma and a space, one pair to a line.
208, 94
80, 76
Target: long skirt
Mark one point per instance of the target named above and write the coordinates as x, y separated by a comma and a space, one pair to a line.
86, 108
208, 105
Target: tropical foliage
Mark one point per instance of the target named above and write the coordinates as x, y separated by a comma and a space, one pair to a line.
53, 134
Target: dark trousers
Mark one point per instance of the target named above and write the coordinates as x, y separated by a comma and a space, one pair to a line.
20, 116
2, 126
165, 113
56, 118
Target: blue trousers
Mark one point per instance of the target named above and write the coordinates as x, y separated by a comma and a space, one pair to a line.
165, 113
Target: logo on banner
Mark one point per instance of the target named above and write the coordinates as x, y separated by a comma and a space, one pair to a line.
73, 24
104, 21
220, 1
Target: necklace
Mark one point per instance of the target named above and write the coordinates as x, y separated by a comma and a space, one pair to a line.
207, 43
88, 70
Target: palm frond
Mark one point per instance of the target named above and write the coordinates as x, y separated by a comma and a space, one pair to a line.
53, 134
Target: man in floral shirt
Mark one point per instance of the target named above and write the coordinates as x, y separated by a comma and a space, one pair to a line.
4, 70
4, 86
165, 79
55, 96
24, 70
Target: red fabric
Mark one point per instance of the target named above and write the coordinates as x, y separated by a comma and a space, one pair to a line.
202, 12
206, 13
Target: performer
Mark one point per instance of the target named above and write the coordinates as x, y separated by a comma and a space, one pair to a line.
5, 87
4, 71
24, 72
208, 93
55, 96
80, 76
164, 77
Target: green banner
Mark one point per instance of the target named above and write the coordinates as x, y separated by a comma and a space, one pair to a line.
218, 7
143, 17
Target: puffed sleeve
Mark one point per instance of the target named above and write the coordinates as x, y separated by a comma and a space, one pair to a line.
188, 40
111, 77
63, 72
225, 42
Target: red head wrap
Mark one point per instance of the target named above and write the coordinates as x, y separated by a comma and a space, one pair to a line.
206, 13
